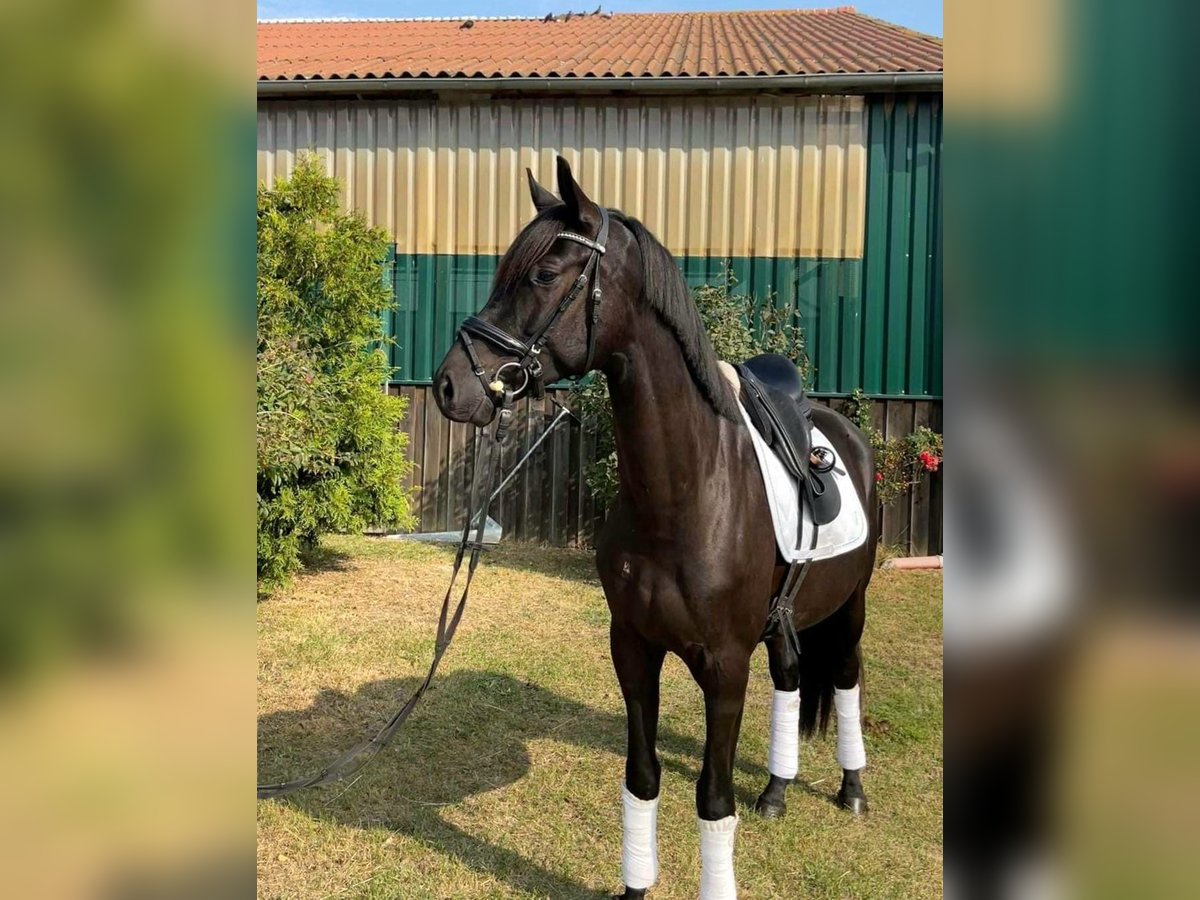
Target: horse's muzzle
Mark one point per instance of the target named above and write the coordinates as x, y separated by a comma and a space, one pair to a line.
460, 396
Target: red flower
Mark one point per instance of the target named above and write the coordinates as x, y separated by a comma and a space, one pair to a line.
879, 476
929, 460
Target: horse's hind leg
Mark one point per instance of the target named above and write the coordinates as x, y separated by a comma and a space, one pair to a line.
639, 666
783, 758
851, 753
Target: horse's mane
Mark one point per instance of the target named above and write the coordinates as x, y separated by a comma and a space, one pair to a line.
663, 289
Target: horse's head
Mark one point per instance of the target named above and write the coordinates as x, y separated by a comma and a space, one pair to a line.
556, 308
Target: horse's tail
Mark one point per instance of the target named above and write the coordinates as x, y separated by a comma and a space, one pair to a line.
823, 653
817, 667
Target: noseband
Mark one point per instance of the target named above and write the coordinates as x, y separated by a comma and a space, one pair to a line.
528, 351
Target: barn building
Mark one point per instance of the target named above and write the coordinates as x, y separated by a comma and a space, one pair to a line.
800, 149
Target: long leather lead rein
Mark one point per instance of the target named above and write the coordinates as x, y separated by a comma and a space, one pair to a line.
355, 759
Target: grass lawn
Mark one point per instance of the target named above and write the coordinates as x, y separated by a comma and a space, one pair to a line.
506, 780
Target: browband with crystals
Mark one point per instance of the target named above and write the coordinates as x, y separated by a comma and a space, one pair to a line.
580, 239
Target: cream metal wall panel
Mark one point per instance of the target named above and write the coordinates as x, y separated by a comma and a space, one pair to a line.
754, 176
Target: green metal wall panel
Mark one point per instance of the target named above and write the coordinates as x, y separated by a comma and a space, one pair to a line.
830, 202
874, 323
902, 270
434, 292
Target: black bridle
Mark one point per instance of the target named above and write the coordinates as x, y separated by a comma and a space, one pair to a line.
528, 351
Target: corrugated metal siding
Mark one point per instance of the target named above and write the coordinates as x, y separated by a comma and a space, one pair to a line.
757, 175
434, 293
776, 188
902, 265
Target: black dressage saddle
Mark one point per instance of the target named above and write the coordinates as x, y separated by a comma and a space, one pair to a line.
773, 394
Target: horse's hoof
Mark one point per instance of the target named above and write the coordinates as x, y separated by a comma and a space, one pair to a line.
771, 803
856, 806
632, 894
769, 809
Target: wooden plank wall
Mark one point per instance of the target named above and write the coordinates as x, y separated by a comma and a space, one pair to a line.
913, 523
549, 502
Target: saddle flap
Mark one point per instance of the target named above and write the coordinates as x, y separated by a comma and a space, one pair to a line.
780, 409
773, 395
824, 499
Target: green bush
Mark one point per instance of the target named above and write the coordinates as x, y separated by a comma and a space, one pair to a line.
739, 327
900, 462
331, 457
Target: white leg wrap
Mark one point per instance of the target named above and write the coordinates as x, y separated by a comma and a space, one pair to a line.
716, 859
639, 849
783, 760
851, 753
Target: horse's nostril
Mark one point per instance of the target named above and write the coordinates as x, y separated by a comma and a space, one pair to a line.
447, 389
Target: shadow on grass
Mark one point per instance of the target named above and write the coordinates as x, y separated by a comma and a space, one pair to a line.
557, 562
469, 735
323, 558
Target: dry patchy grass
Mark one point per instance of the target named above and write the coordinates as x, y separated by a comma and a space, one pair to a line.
506, 780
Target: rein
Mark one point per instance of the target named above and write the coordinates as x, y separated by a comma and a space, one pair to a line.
353, 760
469, 549
481, 498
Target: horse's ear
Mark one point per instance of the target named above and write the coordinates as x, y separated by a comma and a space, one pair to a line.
542, 198
580, 207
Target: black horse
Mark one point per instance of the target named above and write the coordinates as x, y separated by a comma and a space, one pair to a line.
688, 556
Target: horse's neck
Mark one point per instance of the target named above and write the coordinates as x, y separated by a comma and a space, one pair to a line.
669, 438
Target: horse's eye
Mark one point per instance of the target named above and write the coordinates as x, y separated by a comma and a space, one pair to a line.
545, 276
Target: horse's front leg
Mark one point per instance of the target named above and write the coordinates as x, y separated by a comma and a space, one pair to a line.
724, 686
639, 666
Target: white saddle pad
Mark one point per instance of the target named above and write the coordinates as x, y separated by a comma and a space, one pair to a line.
848, 531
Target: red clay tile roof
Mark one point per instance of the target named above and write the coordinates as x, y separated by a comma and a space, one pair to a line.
787, 42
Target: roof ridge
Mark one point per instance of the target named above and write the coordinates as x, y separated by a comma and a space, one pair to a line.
349, 20
352, 20
652, 45
904, 28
